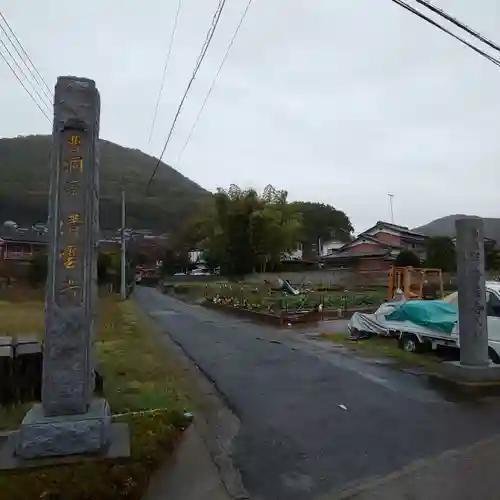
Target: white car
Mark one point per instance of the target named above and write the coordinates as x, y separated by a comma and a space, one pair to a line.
200, 272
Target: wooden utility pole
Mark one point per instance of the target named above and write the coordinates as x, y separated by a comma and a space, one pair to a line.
123, 277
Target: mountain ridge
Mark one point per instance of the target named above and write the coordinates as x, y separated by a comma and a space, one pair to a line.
24, 184
445, 226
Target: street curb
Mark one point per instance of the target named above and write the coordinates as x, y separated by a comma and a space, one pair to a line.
216, 422
463, 387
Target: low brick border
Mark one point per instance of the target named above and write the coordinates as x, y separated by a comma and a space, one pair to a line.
285, 318
245, 313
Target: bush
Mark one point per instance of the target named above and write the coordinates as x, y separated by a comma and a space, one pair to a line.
407, 258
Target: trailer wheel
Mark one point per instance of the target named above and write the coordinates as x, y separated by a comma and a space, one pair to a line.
494, 357
410, 343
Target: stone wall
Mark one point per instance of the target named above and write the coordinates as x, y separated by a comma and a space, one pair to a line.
332, 278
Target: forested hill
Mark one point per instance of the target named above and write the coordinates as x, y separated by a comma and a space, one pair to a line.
445, 226
24, 176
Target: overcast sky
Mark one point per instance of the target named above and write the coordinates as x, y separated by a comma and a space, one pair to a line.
336, 101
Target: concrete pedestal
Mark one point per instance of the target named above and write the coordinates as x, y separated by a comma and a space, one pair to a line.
471, 374
41, 436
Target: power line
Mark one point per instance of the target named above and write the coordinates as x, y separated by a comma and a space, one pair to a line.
24, 86
201, 57
207, 97
456, 22
165, 69
437, 25
41, 82
24, 74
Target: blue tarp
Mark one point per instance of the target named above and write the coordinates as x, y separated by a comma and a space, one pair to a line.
435, 314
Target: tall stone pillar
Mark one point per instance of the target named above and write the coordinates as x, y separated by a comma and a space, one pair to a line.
471, 293
70, 420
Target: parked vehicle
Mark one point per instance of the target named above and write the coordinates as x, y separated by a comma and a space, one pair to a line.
414, 337
200, 272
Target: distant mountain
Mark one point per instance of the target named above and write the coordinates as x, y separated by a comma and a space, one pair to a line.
24, 186
445, 226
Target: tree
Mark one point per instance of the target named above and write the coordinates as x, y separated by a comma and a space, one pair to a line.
441, 254
104, 263
407, 258
175, 260
140, 259
323, 221
492, 257
107, 267
249, 231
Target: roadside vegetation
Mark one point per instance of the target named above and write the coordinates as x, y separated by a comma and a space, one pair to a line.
377, 347
138, 377
245, 231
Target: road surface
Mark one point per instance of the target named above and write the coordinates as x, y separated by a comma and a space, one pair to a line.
313, 420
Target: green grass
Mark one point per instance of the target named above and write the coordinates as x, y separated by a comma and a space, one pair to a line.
138, 375
382, 347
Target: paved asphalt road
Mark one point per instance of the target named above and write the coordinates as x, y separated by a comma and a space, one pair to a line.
295, 441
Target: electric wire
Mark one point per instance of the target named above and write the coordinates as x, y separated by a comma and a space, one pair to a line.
209, 93
437, 25
456, 22
36, 73
165, 69
43, 101
201, 57
22, 84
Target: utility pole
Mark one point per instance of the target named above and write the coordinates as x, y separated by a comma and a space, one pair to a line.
391, 196
123, 291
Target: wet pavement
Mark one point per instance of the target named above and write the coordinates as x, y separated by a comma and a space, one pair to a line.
312, 418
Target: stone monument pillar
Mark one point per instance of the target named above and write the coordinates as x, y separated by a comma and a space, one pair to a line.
70, 420
471, 293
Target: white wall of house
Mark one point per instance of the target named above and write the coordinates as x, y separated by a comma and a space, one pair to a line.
294, 254
195, 256
330, 246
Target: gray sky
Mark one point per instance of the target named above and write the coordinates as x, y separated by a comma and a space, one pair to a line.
336, 101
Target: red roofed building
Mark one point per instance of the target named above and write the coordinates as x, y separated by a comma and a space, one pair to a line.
376, 248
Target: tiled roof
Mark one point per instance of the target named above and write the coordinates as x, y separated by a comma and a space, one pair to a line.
395, 227
371, 239
30, 236
7, 234
353, 253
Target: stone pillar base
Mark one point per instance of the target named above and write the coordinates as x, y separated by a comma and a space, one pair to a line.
466, 373
41, 436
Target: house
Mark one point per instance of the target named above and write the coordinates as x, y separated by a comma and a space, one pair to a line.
376, 248
17, 248
294, 254
195, 256
21, 244
313, 251
328, 247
